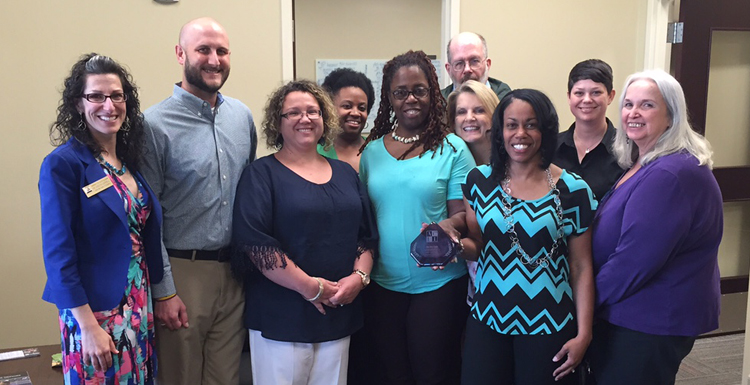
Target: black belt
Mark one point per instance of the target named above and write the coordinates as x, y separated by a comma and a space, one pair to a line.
221, 255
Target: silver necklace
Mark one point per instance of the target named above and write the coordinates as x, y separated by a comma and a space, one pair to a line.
507, 211
402, 139
593, 146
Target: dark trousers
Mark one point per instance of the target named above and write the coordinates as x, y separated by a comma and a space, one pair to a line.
415, 339
491, 358
622, 356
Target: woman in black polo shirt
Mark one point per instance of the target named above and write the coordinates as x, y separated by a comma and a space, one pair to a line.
586, 147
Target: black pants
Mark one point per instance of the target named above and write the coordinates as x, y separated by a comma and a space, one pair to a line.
416, 338
622, 356
491, 358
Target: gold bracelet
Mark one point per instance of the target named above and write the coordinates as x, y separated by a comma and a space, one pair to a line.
320, 290
162, 299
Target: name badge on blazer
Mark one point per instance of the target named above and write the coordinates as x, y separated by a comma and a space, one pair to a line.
97, 187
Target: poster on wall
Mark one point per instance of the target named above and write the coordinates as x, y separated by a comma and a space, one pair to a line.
373, 69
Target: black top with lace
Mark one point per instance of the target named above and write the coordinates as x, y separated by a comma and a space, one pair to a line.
322, 228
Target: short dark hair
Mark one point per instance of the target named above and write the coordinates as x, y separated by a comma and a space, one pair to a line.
130, 138
549, 126
346, 77
592, 69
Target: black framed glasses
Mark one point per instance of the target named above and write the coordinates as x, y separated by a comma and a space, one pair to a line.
402, 94
118, 97
474, 64
297, 115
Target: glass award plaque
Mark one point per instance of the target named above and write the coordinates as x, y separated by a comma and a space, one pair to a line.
433, 247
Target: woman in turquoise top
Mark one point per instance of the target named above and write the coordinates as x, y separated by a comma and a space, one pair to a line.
353, 97
413, 169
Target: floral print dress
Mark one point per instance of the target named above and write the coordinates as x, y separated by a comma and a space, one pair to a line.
130, 324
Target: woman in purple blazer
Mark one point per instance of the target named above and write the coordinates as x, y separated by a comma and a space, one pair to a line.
101, 225
655, 240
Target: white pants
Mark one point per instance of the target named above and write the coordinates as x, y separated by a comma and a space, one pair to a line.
292, 363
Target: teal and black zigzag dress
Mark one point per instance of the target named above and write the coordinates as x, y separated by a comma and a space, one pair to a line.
513, 297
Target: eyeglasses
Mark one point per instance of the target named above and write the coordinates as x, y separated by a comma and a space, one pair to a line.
418, 93
100, 98
297, 115
474, 64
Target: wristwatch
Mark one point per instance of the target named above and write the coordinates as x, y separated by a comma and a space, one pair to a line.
365, 277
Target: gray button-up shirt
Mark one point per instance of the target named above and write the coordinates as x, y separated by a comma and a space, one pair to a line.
193, 161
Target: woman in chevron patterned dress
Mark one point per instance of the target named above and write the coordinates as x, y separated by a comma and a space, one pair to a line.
528, 222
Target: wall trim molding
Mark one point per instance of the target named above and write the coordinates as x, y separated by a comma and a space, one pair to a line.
287, 41
451, 20
657, 52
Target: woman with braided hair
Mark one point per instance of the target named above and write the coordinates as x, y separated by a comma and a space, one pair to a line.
413, 168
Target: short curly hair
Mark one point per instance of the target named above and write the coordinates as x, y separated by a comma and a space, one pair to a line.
130, 139
272, 120
347, 77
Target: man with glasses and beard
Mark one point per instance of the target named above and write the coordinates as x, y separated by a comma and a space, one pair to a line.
198, 143
468, 60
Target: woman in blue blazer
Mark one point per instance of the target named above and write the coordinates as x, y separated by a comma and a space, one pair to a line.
101, 228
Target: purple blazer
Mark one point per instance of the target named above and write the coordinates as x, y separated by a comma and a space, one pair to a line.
655, 245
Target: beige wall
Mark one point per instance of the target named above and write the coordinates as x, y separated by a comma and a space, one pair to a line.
42, 40
319, 24
534, 44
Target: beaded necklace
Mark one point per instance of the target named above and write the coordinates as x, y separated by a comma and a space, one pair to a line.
112, 168
402, 139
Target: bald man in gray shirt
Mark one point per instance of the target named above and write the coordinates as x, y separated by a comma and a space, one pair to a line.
198, 143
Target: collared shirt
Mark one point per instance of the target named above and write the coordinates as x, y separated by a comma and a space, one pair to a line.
599, 167
498, 87
487, 83
193, 161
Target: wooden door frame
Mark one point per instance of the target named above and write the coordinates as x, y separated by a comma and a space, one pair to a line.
694, 78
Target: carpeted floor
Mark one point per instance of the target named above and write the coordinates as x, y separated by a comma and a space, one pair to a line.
714, 361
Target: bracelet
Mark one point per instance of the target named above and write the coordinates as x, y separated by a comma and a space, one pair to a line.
320, 290
162, 299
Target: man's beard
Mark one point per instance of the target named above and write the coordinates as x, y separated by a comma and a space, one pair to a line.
194, 78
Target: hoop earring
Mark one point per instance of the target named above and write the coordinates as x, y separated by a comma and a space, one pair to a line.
367, 125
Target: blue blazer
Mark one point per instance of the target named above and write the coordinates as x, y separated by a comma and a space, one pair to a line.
86, 241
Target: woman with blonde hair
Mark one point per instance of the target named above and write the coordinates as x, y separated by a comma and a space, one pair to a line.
470, 109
